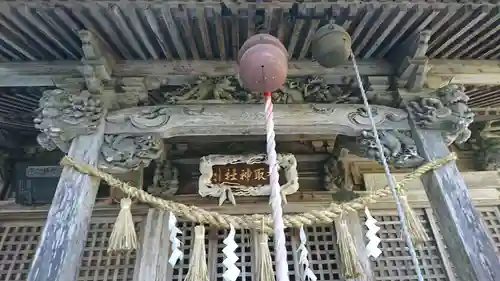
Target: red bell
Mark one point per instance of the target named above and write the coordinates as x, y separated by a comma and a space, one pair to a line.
262, 38
263, 62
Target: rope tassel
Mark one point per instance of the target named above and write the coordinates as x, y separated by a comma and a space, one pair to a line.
414, 226
198, 270
123, 236
351, 266
264, 271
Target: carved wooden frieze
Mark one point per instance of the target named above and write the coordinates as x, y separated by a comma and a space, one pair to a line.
171, 121
485, 142
446, 110
399, 148
227, 176
165, 179
61, 116
122, 153
227, 89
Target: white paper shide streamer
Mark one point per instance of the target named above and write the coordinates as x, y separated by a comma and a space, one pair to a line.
372, 248
232, 271
175, 243
307, 273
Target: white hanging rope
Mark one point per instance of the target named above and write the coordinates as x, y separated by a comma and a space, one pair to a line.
388, 175
277, 211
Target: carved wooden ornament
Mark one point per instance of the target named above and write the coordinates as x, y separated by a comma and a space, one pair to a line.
243, 175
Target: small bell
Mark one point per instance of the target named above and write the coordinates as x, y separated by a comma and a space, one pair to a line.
263, 63
331, 45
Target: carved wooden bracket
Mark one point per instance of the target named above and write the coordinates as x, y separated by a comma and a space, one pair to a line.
227, 186
122, 153
398, 146
412, 64
486, 145
445, 109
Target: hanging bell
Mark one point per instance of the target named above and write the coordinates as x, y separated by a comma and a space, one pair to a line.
261, 39
331, 45
263, 63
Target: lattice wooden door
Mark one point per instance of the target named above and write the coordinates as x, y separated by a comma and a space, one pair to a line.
395, 262
321, 244
18, 242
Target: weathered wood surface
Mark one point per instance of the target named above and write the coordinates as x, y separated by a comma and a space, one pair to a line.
356, 230
47, 73
171, 72
464, 233
152, 260
471, 72
235, 119
482, 186
60, 248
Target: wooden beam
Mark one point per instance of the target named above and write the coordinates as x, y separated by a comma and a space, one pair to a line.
152, 259
45, 73
61, 244
468, 72
463, 230
247, 119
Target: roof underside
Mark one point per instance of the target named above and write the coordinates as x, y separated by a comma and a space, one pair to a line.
143, 30
47, 30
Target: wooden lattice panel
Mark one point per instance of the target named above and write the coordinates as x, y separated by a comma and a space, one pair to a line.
18, 242
97, 264
17, 247
291, 249
186, 237
244, 253
491, 217
323, 252
395, 262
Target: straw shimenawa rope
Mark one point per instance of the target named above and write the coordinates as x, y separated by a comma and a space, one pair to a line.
202, 216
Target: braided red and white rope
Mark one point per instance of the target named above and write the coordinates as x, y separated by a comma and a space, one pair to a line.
275, 199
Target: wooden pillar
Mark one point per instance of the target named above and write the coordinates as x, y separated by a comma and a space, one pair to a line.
152, 260
356, 230
61, 244
464, 233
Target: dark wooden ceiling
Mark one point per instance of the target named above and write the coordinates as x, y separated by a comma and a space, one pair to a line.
47, 30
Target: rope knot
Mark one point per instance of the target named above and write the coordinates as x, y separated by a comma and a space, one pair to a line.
125, 203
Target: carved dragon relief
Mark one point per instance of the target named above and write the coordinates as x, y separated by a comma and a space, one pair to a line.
399, 149
445, 110
295, 90
61, 116
122, 153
